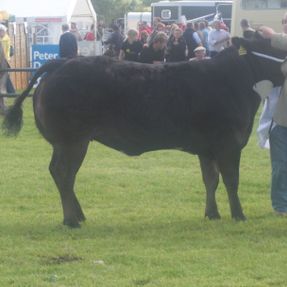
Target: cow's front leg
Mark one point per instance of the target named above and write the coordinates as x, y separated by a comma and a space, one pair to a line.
65, 163
229, 169
210, 176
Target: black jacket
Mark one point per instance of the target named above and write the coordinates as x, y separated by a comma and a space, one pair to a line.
190, 42
68, 45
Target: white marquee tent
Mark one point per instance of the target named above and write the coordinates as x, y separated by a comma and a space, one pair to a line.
45, 17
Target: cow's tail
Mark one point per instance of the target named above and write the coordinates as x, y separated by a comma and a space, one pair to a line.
13, 119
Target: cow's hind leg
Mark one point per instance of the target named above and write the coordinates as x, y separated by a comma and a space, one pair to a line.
229, 168
3, 80
210, 177
65, 163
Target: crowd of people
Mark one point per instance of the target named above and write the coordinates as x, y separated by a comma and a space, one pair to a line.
169, 43
162, 43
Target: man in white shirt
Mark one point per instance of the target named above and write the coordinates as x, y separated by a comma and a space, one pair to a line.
218, 39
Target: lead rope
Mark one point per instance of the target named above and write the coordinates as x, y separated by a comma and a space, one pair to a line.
268, 57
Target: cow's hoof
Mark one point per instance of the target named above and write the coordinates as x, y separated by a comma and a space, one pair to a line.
213, 215
81, 217
240, 217
72, 223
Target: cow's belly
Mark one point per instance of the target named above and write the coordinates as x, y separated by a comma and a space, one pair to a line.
135, 140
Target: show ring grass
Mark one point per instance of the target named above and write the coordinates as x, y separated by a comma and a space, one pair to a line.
145, 221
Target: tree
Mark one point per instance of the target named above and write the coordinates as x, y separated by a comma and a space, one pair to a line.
147, 3
112, 9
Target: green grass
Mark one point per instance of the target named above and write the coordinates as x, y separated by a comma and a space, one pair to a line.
145, 224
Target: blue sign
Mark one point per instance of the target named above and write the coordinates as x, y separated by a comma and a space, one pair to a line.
43, 53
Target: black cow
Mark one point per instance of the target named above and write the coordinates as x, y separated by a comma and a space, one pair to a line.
205, 108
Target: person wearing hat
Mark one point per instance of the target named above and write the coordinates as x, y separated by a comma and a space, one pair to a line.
6, 43
218, 38
200, 54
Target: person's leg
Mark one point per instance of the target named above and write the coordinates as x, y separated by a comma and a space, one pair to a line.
278, 152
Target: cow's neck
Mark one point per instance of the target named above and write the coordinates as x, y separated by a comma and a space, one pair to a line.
265, 67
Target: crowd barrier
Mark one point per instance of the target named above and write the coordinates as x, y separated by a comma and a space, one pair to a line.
15, 70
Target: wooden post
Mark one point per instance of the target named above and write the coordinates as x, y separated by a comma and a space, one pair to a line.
21, 56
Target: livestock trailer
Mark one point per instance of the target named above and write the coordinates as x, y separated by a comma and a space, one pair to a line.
174, 11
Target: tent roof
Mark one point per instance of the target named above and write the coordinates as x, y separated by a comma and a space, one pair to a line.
42, 8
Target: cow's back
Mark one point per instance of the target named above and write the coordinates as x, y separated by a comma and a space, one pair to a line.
138, 107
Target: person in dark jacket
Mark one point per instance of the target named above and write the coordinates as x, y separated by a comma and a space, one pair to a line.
131, 47
159, 27
192, 39
176, 47
68, 46
247, 31
154, 53
115, 42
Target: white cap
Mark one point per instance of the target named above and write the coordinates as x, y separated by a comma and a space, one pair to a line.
199, 48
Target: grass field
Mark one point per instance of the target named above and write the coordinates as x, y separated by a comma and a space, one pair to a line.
145, 224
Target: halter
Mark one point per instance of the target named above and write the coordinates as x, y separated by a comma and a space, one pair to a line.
268, 57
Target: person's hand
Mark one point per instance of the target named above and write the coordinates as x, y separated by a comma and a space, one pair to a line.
266, 32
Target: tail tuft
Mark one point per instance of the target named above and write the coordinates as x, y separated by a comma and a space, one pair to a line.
13, 121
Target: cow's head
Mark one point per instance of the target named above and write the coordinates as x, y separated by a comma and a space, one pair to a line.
265, 60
